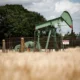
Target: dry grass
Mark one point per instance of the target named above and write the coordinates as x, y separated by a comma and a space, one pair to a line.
62, 65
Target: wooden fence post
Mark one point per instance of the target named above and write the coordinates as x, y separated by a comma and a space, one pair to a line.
22, 45
3, 46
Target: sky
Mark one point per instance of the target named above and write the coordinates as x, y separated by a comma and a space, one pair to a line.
51, 9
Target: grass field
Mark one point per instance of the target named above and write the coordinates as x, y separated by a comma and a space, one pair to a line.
61, 65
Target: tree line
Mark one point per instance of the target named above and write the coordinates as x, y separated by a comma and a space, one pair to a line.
16, 21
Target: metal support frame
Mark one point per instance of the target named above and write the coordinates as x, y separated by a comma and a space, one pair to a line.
54, 37
48, 40
52, 32
38, 40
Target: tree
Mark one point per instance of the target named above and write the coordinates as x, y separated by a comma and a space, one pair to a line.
15, 21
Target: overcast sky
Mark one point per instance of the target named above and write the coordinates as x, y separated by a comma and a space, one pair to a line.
51, 9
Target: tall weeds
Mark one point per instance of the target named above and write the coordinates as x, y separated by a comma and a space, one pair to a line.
61, 65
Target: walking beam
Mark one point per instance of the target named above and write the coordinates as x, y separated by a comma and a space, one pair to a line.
64, 17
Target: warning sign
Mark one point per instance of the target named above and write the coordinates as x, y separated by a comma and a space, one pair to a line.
65, 42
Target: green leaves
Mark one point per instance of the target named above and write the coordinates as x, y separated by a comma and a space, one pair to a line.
17, 21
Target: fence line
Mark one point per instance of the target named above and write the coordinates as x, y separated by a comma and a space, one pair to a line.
13, 41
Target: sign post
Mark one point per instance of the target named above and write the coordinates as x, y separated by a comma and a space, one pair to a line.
3, 46
22, 45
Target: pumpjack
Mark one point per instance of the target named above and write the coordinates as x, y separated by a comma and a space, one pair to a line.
50, 26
